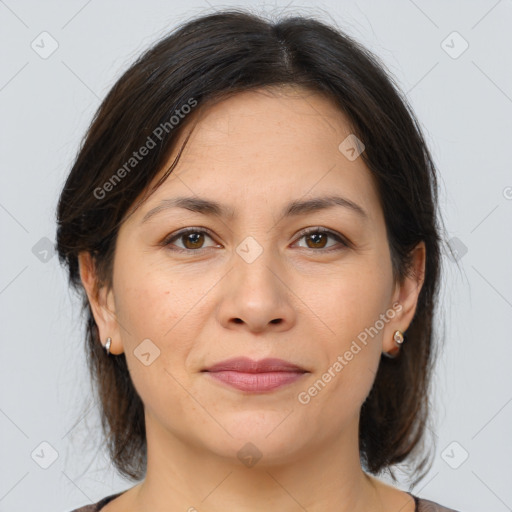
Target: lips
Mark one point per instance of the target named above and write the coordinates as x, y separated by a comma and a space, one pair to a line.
246, 365
252, 376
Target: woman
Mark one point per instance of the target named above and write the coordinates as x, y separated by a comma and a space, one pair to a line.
252, 222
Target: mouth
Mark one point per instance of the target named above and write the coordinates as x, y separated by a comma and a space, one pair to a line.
253, 376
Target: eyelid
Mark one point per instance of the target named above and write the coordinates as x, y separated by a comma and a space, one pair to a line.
319, 229
304, 232
177, 234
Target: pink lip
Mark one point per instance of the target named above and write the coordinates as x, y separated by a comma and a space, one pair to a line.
246, 365
255, 376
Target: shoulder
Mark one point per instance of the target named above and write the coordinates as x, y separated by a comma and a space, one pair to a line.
424, 505
95, 507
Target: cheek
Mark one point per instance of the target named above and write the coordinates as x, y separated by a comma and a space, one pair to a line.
166, 307
352, 301
149, 308
149, 299
140, 307
352, 306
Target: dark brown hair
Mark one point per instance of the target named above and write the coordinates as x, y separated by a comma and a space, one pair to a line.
210, 58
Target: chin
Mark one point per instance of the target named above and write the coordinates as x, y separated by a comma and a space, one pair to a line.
257, 438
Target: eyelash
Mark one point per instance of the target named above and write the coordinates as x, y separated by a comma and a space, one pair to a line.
317, 230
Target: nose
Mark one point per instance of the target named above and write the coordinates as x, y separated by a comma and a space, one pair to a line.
256, 297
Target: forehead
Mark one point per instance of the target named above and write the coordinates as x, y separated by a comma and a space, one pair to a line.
255, 118
267, 146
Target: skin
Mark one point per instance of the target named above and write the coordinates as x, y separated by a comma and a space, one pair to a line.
255, 152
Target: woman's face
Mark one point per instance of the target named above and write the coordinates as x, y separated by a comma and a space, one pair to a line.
249, 283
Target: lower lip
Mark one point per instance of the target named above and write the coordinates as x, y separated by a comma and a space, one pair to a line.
256, 382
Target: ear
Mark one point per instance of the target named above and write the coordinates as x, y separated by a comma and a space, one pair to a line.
102, 303
405, 297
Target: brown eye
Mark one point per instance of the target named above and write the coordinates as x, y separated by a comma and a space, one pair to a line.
317, 239
192, 239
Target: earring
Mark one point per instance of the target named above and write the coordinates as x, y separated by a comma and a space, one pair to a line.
107, 345
398, 337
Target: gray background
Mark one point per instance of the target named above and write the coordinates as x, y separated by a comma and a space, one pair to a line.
463, 101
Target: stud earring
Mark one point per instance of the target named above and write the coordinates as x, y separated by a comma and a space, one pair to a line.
398, 337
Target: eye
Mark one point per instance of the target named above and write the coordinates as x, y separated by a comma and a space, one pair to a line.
192, 238
318, 237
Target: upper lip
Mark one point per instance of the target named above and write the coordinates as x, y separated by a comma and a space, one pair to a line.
247, 365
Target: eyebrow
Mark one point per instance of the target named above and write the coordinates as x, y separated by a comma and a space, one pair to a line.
294, 208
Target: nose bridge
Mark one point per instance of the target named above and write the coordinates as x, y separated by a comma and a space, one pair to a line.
255, 293
255, 263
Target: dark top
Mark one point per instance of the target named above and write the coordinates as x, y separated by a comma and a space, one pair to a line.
422, 505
